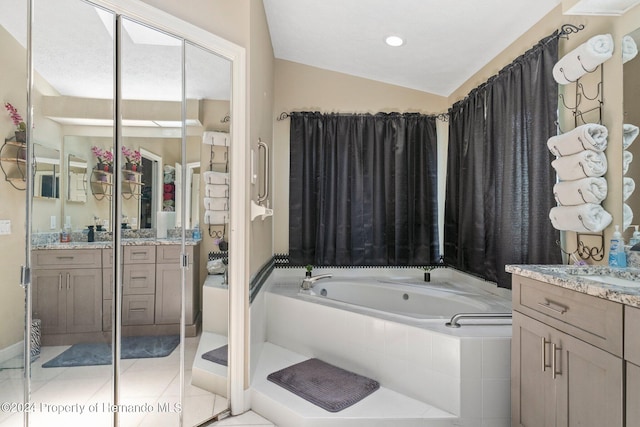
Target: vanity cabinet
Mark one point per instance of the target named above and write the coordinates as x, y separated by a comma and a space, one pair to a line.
168, 288
632, 357
67, 290
567, 357
151, 295
138, 286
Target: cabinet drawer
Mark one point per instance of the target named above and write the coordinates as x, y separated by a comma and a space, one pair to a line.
138, 309
631, 334
139, 279
594, 320
66, 258
139, 254
170, 254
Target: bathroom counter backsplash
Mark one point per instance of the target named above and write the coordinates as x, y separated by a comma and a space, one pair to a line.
143, 237
577, 279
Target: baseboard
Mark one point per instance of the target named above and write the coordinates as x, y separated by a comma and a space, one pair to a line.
11, 351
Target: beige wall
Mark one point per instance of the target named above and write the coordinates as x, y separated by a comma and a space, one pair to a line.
12, 89
302, 88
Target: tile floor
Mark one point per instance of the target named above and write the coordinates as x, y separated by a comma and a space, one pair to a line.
150, 386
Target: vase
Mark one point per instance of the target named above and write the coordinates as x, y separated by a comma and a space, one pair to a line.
21, 136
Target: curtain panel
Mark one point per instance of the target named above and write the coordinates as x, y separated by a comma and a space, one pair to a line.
363, 189
500, 179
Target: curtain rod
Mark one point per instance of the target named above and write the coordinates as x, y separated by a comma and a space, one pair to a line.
441, 116
564, 32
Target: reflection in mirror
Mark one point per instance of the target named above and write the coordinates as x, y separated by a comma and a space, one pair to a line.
631, 120
46, 180
76, 179
73, 58
207, 79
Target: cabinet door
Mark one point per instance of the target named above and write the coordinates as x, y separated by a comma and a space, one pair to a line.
533, 389
50, 299
168, 293
84, 300
633, 395
590, 393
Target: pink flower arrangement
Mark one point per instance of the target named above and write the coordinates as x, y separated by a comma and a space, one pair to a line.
133, 156
103, 156
16, 118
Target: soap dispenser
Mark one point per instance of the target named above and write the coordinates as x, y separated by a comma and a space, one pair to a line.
617, 256
635, 238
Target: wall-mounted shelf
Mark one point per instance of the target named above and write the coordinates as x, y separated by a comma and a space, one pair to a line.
13, 163
131, 184
101, 184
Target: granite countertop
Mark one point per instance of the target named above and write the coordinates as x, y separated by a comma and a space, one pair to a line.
577, 279
107, 244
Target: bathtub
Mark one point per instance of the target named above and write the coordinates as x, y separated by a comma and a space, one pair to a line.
405, 296
388, 324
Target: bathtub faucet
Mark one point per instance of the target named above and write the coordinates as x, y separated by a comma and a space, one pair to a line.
308, 282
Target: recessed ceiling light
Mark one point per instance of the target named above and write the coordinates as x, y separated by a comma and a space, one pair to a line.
394, 41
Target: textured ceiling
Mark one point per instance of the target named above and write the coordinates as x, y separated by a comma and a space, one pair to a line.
446, 41
73, 52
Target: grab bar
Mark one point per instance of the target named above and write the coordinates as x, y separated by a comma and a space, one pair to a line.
454, 322
265, 171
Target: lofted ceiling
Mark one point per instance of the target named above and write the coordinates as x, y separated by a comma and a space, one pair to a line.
446, 41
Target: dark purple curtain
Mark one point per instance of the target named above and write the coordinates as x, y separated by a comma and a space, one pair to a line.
363, 189
499, 174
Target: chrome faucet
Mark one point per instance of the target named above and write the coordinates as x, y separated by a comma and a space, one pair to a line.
308, 282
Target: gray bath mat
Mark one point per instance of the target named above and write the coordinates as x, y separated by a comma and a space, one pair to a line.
325, 385
100, 353
219, 355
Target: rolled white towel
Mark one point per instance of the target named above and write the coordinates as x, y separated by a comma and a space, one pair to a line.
585, 190
216, 217
213, 177
629, 49
583, 59
629, 134
628, 187
216, 190
216, 204
580, 165
588, 217
627, 158
590, 136
627, 216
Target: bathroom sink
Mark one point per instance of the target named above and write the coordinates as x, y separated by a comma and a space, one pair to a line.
611, 280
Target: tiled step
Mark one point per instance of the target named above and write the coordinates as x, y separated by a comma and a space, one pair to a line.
382, 408
205, 374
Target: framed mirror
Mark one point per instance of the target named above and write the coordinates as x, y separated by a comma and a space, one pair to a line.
631, 123
77, 179
46, 181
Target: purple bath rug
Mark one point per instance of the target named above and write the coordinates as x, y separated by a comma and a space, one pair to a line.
324, 385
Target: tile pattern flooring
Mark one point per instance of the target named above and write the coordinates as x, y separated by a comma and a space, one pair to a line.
151, 384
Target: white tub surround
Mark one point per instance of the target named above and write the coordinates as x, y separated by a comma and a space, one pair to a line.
208, 375
441, 376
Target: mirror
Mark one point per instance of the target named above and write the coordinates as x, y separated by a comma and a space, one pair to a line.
73, 111
631, 119
46, 180
76, 179
67, 288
